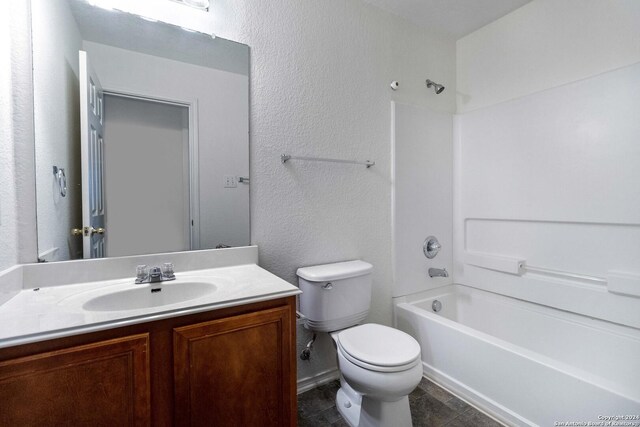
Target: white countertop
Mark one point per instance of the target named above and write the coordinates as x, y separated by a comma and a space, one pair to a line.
57, 311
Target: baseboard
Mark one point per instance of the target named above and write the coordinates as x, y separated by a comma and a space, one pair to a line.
479, 401
324, 377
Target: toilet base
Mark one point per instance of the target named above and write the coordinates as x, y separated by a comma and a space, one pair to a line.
377, 413
361, 411
348, 407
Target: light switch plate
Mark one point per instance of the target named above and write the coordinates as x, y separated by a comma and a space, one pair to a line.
230, 181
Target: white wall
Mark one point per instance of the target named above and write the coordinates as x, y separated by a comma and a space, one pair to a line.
17, 193
146, 177
320, 74
222, 128
422, 196
545, 44
320, 86
56, 42
8, 222
551, 177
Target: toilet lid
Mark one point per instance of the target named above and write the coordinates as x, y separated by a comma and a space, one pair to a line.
379, 345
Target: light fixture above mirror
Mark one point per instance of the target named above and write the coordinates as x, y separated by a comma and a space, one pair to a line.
113, 4
198, 4
146, 9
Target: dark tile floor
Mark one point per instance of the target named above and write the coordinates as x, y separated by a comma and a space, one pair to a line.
430, 404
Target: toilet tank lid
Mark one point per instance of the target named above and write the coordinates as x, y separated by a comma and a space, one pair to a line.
335, 271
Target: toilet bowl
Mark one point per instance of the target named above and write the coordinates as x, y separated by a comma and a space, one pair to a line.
379, 366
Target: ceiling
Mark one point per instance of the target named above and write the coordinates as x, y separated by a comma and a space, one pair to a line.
450, 18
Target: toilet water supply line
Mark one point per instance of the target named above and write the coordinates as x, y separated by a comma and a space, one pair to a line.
306, 353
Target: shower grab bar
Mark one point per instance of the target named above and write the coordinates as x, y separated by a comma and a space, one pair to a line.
284, 158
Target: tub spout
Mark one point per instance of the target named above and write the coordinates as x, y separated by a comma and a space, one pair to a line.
438, 272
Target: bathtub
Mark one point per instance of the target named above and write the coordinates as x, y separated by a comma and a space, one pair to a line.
523, 363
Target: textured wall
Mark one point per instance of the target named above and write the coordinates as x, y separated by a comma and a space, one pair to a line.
320, 74
8, 230
17, 195
56, 42
320, 86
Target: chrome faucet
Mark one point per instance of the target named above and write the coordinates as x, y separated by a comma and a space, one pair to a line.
145, 274
438, 272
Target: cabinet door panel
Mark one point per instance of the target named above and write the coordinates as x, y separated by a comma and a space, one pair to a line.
235, 371
104, 383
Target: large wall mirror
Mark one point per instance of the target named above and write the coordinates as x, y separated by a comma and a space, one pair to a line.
141, 133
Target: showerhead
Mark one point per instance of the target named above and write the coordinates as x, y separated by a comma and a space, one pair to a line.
438, 88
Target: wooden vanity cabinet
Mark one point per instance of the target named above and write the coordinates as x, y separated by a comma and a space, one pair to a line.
80, 385
229, 367
232, 372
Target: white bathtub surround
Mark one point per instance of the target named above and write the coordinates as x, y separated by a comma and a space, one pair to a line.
623, 283
44, 309
545, 172
422, 206
524, 363
546, 179
546, 156
545, 44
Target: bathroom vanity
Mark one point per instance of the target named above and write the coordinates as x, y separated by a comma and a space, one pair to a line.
224, 357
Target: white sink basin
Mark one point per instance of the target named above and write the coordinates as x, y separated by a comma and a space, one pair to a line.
149, 296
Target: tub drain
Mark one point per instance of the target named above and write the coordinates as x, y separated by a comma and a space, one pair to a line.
436, 305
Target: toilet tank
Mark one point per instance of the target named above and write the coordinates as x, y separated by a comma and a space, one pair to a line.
335, 296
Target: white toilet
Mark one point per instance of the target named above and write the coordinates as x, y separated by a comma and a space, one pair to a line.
379, 365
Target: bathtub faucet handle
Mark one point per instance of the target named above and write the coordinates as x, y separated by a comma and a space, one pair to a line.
431, 247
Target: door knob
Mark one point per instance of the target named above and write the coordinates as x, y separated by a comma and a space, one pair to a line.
98, 230
90, 231
77, 232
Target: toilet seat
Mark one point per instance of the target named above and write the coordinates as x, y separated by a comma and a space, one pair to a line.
379, 348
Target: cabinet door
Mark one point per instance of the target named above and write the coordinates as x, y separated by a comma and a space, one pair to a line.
236, 371
100, 384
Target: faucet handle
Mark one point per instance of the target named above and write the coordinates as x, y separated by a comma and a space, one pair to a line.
167, 270
142, 272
